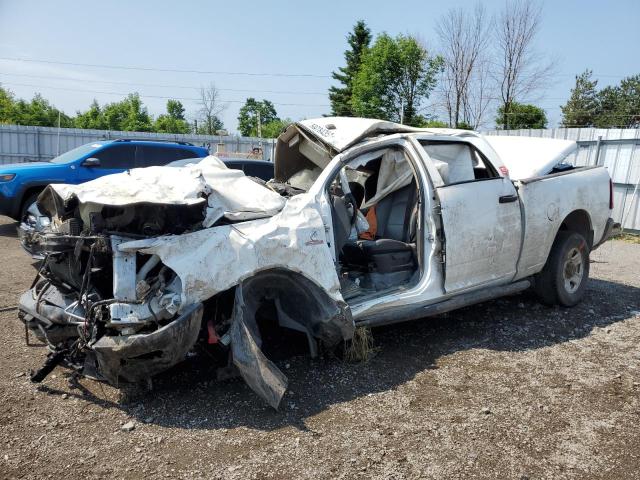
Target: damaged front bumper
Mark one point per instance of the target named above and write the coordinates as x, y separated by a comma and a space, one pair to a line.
134, 358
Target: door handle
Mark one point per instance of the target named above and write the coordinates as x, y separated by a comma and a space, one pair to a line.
508, 198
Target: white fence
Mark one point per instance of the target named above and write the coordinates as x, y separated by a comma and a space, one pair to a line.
617, 149
31, 144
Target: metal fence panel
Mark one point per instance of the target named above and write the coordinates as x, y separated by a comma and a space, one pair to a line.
31, 144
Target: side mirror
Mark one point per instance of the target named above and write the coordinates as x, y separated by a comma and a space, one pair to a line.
91, 162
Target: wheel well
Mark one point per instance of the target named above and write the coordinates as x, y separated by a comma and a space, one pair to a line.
300, 299
579, 221
28, 193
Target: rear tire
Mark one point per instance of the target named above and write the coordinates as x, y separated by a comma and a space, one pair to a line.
564, 277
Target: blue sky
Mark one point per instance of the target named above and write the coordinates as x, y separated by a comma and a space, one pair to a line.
276, 37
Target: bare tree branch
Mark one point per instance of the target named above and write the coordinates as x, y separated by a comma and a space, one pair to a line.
464, 37
520, 71
210, 108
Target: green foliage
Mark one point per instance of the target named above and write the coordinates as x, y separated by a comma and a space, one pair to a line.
173, 121
616, 106
340, 97
175, 110
92, 118
424, 122
211, 124
395, 76
619, 106
275, 127
38, 112
129, 115
521, 115
464, 126
435, 124
582, 108
7, 106
248, 116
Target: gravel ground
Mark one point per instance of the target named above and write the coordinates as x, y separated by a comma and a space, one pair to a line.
506, 389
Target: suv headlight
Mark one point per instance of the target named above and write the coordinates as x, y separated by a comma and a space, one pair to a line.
7, 177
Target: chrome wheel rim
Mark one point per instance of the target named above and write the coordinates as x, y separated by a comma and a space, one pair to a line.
573, 271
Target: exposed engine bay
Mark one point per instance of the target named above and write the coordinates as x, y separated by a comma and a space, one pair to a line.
122, 293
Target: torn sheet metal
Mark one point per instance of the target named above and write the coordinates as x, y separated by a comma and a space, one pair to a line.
256, 369
213, 260
225, 192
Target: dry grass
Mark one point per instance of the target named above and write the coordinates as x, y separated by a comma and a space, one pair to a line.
360, 348
628, 237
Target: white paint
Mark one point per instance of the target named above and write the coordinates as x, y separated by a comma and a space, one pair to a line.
548, 201
212, 260
225, 191
482, 235
528, 157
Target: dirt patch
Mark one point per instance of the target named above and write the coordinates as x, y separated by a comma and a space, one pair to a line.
506, 389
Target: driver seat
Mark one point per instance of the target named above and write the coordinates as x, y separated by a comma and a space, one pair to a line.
394, 248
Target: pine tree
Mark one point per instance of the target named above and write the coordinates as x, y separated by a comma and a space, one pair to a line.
340, 97
582, 108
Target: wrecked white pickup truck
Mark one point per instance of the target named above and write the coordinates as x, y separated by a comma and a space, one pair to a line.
366, 223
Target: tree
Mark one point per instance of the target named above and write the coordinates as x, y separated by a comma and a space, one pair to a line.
422, 122
210, 109
7, 106
464, 36
520, 70
92, 119
582, 108
129, 115
253, 110
173, 121
630, 92
42, 114
522, 116
395, 76
38, 112
212, 125
275, 127
340, 97
620, 105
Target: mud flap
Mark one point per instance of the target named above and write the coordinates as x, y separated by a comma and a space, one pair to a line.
256, 369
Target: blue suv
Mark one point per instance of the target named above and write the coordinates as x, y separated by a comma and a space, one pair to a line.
20, 183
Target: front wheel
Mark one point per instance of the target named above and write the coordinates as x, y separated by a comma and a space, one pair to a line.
564, 277
26, 204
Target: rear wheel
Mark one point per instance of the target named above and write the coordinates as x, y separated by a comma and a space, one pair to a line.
564, 277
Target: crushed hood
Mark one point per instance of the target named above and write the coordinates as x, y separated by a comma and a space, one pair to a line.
311, 144
527, 157
223, 192
340, 133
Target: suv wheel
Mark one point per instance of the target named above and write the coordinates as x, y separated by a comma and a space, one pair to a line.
30, 200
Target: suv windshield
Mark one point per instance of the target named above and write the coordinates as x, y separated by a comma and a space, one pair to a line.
76, 153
